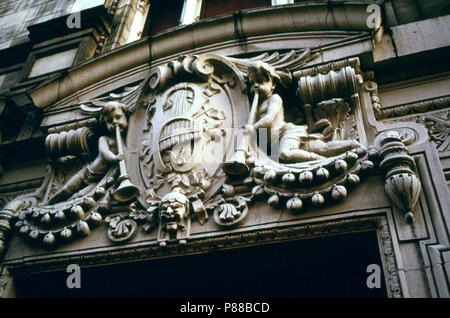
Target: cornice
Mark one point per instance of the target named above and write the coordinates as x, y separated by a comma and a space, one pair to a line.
349, 16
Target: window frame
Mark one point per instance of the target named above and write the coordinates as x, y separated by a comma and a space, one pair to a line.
80, 44
195, 6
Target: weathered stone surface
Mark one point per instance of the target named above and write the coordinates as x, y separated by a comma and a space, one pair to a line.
126, 135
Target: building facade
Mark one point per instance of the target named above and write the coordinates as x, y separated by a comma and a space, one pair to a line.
239, 148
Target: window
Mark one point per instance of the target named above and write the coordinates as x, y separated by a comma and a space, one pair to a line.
53, 62
171, 13
163, 15
80, 5
282, 2
212, 8
332, 266
139, 18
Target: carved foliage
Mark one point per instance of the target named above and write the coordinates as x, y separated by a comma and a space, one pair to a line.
337, 112
438, 128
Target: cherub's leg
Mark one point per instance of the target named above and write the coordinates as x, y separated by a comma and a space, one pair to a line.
298, 155
73, 185
290, 151
332, 148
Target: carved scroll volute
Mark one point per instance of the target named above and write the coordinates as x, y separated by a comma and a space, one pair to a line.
401, 183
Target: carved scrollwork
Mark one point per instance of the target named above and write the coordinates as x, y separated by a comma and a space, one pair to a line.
438, 128
231, 211
121, 230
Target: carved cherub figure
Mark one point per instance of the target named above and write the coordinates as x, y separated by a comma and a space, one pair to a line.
113, 114
296, 143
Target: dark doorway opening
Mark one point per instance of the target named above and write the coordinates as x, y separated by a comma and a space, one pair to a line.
334, 266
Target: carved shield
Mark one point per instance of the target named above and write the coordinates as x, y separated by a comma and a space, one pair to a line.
183, 132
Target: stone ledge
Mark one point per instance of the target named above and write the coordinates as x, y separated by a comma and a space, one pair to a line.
294, 18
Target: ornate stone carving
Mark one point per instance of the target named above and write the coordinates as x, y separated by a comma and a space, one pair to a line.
3, 285
401, 185
436, 123
6, 284
71, 202
6, 215
317, 166
191, 149
412, 108
372, 88
438, 128
388, 253
110, 150
121, 229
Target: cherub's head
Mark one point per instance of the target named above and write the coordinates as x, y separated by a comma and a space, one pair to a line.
114, 113
263, 78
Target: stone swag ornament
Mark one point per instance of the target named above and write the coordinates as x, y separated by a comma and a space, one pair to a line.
144, 158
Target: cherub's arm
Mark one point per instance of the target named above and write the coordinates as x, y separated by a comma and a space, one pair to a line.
105, 151
275, 107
